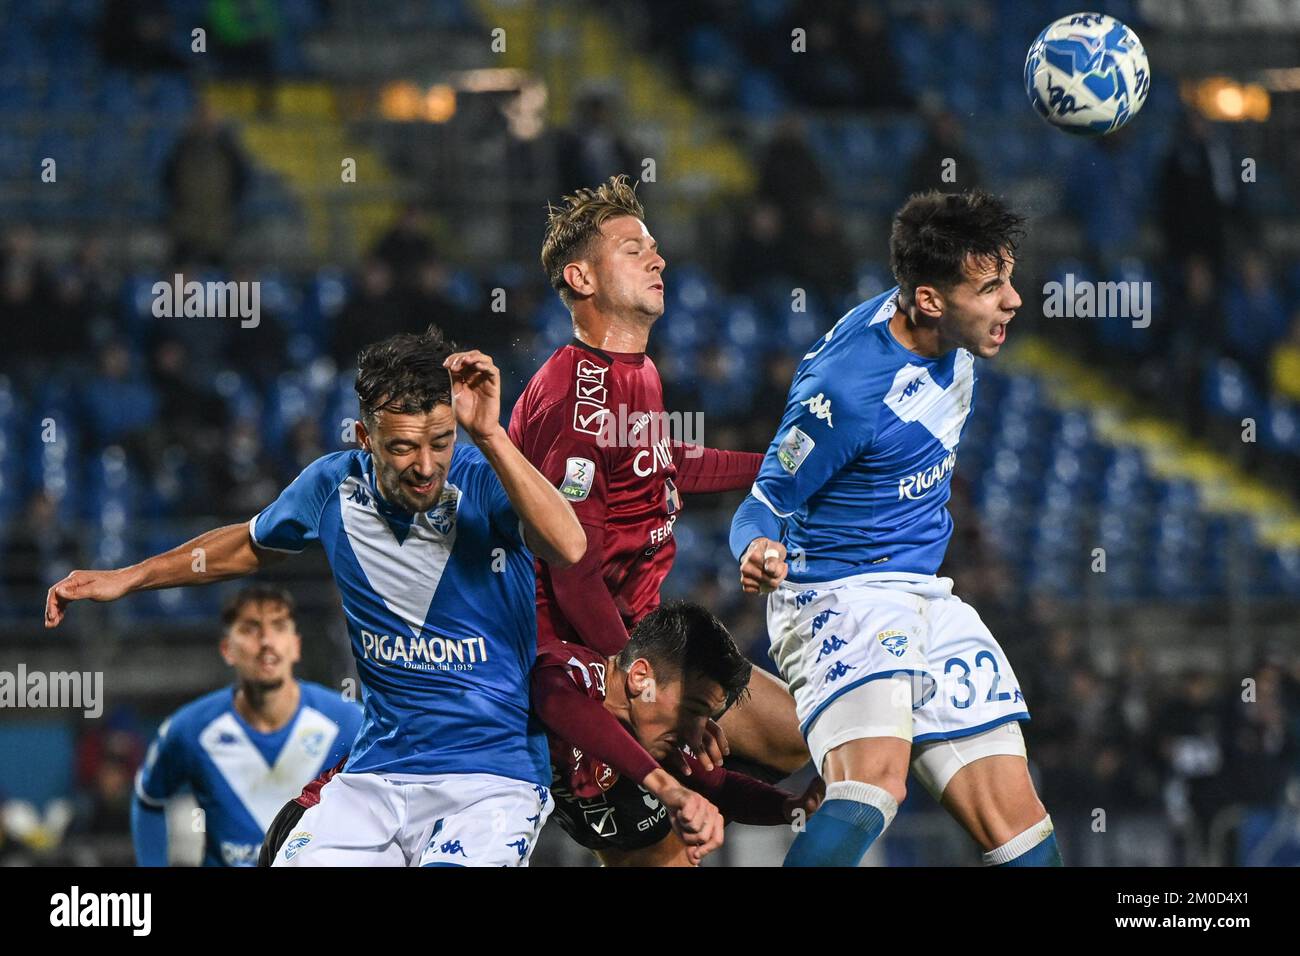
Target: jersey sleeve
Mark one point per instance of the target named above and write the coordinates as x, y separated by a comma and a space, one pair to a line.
571, 459
479, 479
292, 521
165, 771
825, 426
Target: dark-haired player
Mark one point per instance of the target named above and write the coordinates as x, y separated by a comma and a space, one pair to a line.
431, 546
678, 669
592, 420
243, 750
887, 666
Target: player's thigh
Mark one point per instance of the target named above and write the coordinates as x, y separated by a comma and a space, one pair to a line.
356, 823
478, 819
765, 728
994, 799
670, 851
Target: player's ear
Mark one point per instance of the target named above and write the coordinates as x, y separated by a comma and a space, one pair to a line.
929, 301
224, 647
640, 676
362, 434
578, 276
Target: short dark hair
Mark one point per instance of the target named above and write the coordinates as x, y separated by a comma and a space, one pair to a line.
682, 638
934, 232
403, 373
254, 594
572, 226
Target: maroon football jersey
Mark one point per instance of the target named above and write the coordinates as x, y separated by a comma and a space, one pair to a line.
578, 773
592, 423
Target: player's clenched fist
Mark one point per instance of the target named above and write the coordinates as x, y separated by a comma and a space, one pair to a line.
475, 392
696, 821
83, 586
763, 567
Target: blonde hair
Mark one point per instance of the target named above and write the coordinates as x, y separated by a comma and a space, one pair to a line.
573, 225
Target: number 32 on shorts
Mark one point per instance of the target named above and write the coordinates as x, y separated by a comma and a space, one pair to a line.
957, 680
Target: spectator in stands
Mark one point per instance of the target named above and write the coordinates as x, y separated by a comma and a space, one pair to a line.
1285, 364
943, 162
593, 148
373, 311
407, 246
204, 180
789, 175
137, 35
1256, 317
1198, 194
119, 404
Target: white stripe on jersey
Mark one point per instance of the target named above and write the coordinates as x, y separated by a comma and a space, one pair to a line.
264, 790
405, 576
941, 410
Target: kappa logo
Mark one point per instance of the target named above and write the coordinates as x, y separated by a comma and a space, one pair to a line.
838, 671
821, 620
314, 743
914, 386
805, 597
359, 496
893, 641
820, 407
296, 843
592, 403
829, 646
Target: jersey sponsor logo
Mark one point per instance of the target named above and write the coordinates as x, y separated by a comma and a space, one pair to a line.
661, 534
240, 854
918, 485
296, 843
893, 641
672, 500
424, 653
820, 407
601, 820
592, 404
578, 476
647, 462
794, 449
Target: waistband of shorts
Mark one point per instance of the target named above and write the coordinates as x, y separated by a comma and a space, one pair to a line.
923, 584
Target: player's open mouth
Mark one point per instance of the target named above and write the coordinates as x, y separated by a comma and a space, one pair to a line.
658, 287
423, 489
999, 333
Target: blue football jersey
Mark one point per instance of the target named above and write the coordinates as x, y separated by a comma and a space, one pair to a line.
440, 610
240, 776
859, 473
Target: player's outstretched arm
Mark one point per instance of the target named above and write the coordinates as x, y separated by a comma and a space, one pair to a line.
216, 555
550, 526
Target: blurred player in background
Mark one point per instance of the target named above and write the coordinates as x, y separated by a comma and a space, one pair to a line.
431, 546
678, 669
626, 488
887, 666
242, 751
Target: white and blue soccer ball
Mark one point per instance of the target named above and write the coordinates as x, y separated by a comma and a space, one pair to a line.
1087, 74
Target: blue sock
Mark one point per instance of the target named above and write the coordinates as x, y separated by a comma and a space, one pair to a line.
1035, 847
849, 820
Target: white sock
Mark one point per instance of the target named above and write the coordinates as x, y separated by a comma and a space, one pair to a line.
1018, 844
867, 793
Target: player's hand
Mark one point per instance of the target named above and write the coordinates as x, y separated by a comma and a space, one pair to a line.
83, 586
475, 392
697, 821
713, 746
808, 801
763, 567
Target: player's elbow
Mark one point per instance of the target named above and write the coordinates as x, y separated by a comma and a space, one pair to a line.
570, 548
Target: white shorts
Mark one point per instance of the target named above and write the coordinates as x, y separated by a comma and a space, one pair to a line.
468, 819
831, 639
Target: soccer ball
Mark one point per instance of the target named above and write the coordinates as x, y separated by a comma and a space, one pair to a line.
1087, 74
